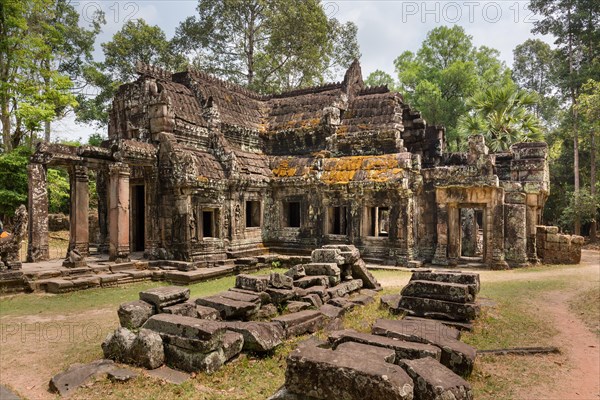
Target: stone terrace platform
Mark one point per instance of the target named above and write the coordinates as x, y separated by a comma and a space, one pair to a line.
52, 277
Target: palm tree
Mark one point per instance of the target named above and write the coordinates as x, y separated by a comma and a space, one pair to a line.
503, 115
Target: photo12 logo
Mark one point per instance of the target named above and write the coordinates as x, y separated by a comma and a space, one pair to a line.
117, 11
466, 11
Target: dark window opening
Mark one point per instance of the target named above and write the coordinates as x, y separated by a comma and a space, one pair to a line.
138, 214
253, 214
293, 214
377, 221
208, 224
336, 221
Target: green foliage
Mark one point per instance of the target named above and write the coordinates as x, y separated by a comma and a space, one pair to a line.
581, 204
502, 115
267, 45
13, 180
380, 78
58, 191
96, 139
534, 70
41, 49
446, 70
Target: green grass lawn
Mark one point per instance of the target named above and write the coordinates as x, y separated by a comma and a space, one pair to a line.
511, 318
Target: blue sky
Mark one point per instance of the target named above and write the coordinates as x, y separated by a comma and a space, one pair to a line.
386, 28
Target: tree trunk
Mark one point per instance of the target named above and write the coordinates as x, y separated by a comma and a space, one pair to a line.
47, 131
5, 119
594, 227
577, 227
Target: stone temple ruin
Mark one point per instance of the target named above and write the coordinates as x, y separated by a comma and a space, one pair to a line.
201, 171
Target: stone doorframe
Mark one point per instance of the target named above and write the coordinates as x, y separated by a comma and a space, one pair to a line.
449, 201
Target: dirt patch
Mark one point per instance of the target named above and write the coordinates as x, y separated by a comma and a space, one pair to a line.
579, 377
36, 347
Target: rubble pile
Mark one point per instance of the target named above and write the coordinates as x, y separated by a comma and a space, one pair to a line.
165, 326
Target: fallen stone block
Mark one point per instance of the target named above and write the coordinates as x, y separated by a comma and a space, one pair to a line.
296, 272
133, 314
255, 283
266, 312
193, 361
313, 299
117, 345
438, 309
360, 271
147, 349
403, 348
465, 278
349, 252
299, 323
454, 292
327, 269
320, 291
434, 381
362, 300
456, 355
295, 306
345, 288
165, 296
263, 296
169, 325
331, 311
315, 280
203, 312
281, 281
258, 336
78, 375
233, 343
279, 296
342, 302
229, 308
327, 374
186, 309
460, 326
389, 302
327, 255
385, 354
7, 394
419, 327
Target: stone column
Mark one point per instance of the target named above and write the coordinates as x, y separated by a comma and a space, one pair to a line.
441, 256
118, 213
37, 249
102, 190
531, 223
80, 204
151, 226
496, 233
515, 238
453, 234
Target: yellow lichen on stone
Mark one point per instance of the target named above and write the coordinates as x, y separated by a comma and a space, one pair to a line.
284, 170
376, 168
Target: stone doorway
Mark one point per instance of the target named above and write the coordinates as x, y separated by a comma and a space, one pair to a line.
138, 217
472, 241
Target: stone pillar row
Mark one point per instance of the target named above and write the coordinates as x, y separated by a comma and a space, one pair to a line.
37, 248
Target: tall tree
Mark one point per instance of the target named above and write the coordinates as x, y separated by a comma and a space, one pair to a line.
588, 104
503, 116
533, 70
268, 45
136, 41
445, 71
41, 51
574, 24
